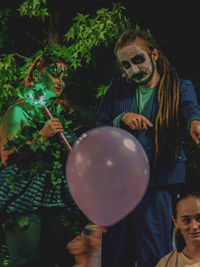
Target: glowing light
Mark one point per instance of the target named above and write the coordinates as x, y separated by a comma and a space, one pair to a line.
39, 100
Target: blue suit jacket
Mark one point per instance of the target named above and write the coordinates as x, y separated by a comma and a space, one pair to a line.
118, 99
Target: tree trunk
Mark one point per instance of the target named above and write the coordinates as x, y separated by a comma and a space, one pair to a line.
54, 28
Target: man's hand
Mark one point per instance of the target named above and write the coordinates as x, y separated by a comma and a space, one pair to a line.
195, 130
136, 121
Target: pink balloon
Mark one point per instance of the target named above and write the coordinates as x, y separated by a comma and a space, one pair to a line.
107, 173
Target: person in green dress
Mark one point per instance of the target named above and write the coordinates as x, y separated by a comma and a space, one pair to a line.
38, 214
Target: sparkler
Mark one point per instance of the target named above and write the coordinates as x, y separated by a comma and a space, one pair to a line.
40, 102
63, 139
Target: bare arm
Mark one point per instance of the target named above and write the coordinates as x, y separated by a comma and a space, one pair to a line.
12, 124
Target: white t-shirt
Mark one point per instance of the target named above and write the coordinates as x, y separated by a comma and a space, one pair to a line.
95, 260
177, 259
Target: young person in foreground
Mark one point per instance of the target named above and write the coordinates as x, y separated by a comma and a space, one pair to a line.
187, 221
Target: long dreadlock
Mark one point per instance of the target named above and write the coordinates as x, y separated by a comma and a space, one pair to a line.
166, 123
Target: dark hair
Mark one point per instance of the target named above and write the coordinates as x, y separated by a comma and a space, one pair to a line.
166, 123
182, 196
179, 239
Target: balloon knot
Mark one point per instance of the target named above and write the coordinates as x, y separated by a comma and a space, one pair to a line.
103, 229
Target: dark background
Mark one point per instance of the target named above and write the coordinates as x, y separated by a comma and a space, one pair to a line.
175, 26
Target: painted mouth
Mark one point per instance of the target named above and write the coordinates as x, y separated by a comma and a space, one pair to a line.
147, 69
139, 76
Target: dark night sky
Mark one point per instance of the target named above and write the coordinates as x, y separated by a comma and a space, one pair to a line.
177, 26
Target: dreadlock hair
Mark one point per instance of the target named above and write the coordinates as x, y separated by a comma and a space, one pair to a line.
39, 64
166, 123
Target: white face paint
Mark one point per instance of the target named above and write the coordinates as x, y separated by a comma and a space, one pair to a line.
136, 62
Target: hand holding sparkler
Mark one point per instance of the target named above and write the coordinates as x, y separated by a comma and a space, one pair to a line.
51, 127
40, 102
63, 139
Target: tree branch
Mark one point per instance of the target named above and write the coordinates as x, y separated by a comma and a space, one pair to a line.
34, 38
18, 55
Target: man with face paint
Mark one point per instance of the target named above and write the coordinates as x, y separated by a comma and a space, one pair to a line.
137, 63
156, 106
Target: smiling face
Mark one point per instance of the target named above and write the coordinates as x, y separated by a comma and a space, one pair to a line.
137, 63
57, 74
188, 219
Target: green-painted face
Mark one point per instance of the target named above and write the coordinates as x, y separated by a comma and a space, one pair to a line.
137, 63
47, 84
57, 74
56, 70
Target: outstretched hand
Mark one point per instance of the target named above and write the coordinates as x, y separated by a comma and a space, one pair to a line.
195, 131
136, 121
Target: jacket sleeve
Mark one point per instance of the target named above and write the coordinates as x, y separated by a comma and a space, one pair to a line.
188, 105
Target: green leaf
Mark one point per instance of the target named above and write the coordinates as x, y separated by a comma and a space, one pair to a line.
101, 90
11, 186
35, 8
23, 221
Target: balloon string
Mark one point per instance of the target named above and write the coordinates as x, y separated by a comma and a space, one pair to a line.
62, 137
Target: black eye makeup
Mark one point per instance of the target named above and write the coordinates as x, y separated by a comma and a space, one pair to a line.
138, 59
125, 64
65, 74
56, 71
197, 217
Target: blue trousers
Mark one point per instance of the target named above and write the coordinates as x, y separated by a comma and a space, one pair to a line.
145, 235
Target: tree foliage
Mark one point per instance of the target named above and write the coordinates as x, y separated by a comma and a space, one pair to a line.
4, 16
89, 32
89, 39
35, 8
9, 79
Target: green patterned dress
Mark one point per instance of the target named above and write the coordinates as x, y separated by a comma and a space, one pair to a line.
38, 179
